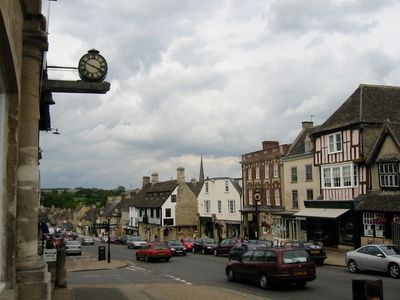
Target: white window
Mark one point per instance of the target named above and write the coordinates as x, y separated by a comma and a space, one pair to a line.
257, 172
335, 142
307, 145
389, 175
226, 185
219, 204
374, 224
276, 171
207, 206
231, 206
339, 176
308, 170
294, 174
268, 196
295, 199
277, 197
206, 186
249, 174
266, 171
250, 197
310, 194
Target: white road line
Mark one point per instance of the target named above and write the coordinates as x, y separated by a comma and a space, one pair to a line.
245, 294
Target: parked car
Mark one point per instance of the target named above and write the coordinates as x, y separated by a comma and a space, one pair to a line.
73, 247
225, 246
273, 266
314, 249
87, 240
135, 242
104, 239
203, 245
122, 239
176, 248
154, 251
375, 257
188, 243
240, 248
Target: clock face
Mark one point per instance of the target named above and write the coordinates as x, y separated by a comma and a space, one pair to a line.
92, 67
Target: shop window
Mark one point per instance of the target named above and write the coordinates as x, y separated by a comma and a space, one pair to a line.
374, 224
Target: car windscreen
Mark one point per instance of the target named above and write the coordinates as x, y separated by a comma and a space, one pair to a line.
136, 239
72, 243
292, 257
174, 243
208, 241
255, 246
160, 246
391, 250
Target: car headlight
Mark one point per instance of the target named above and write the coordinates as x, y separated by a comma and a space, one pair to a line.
173, 249
208, 247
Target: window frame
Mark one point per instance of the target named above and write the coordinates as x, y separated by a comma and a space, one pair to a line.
231, 206
207, 206
293, 174
308, 175
226, 185
335, 143
389, 175
219, 206
295, 199
276, 170
333, 176
277, 196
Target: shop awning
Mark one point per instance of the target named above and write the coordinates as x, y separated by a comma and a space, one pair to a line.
329, 213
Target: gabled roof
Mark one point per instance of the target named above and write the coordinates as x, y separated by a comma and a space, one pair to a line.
297, 147
388, 129
154, 195
91, 214
109, 209
368, 104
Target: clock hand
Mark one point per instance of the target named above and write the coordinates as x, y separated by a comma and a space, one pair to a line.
93, 66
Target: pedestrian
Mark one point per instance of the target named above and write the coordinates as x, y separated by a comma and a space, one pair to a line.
156, 238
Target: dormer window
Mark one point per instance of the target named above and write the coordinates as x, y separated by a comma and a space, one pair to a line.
307, 144
389, 175
335, 142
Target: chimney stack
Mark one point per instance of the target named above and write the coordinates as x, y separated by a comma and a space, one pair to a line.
269, 144
146, 181
154, 178
307, 124
180, 174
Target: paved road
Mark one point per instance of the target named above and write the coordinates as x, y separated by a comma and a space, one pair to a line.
197, 269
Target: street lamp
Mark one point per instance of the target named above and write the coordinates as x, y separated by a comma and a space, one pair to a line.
108, 240
257, 200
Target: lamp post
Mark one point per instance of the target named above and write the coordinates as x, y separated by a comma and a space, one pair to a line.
108, 241
257, 200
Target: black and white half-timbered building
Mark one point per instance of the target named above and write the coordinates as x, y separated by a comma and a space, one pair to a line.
358, 152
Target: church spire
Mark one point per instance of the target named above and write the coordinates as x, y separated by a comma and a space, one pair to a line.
201, 174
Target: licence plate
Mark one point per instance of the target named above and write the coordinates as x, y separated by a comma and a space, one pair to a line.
315, 252
300, 273
161, 254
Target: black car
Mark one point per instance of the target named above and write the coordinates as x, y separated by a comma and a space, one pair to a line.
176, 247
240, 248
203, 245
314, 249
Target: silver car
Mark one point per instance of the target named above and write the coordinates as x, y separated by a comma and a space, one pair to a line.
73, 247
375, 257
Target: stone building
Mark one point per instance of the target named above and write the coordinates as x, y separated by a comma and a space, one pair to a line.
23, 42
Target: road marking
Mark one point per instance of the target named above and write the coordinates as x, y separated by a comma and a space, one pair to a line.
135, 268
245, 294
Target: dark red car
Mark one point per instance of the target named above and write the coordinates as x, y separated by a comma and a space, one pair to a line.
273, 266
225, 246
154, 251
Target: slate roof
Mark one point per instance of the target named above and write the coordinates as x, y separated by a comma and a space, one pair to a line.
154, 195
379, 201
109, 209
297, 147
91, 214
368, 104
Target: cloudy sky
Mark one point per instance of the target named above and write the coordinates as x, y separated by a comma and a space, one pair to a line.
212, 78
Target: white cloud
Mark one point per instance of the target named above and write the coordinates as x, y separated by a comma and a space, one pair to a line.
205, 77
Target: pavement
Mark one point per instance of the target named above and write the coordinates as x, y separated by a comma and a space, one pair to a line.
335, 257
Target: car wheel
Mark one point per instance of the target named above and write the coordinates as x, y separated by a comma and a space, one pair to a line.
203, 251
137, 258
193, 250
230, 275
215, 252
353, 266
263, 280
394, 270
167, 259
184, 253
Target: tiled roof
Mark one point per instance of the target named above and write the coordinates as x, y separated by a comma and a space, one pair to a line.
368, 104
297, 147
378, 201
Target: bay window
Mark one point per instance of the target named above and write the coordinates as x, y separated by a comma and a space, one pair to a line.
339, 176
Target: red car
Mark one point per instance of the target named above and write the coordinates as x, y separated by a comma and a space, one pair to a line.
188, 243
271, 266
154, 251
